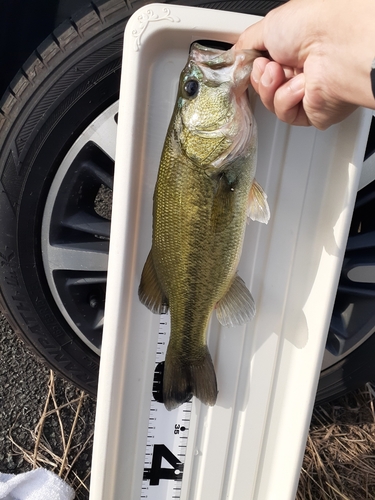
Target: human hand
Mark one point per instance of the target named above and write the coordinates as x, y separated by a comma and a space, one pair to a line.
316, 74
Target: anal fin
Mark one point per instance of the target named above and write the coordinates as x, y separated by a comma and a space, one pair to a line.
150, 292
258, 209
237, 306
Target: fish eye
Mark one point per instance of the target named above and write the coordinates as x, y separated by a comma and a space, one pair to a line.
191, 88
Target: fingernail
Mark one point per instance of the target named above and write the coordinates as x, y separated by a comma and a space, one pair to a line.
255, 73
266, 78
297, 83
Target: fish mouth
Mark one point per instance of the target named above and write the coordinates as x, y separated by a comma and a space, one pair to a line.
201, 54
219, 66
212, 45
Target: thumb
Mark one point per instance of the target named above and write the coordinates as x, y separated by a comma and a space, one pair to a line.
252, 38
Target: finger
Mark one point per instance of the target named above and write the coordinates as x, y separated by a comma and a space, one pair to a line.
272, 78
288, 101
252, 37
259, 66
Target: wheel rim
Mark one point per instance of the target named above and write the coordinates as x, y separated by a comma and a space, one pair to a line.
75, 244
353, 318
76, 227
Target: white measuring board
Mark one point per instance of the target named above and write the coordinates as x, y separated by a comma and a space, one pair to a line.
250, 445
167, 434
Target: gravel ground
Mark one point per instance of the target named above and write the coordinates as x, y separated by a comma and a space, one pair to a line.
24, 387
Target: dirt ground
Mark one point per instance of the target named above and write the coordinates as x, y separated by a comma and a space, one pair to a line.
37, 414
47, 422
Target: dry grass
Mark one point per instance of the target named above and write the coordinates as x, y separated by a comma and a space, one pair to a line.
339, 461
58, 451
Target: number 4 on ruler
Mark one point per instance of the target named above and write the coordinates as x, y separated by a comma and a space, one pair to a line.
157, 472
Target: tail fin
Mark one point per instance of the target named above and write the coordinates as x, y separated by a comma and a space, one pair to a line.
183, 379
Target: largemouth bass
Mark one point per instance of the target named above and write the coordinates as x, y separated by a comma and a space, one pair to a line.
204, 194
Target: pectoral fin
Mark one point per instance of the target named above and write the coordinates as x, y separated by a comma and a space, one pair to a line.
237, 306
150, 292
258, 208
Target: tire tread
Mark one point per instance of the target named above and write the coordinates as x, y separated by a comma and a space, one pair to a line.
89, 21
108, 9
68, 36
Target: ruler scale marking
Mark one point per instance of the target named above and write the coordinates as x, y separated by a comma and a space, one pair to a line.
167, 436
